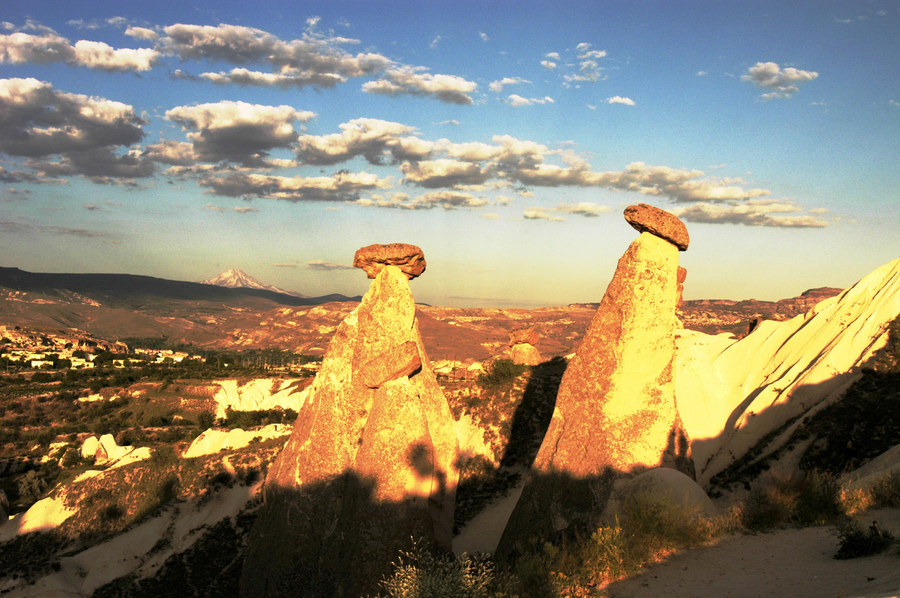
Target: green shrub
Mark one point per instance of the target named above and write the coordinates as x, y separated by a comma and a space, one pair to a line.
856, 542
418, 573
31, 487
501, 373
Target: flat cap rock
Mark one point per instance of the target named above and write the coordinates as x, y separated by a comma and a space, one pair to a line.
373, 258
649, 219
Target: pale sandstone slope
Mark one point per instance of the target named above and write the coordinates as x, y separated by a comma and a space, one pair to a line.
731, 393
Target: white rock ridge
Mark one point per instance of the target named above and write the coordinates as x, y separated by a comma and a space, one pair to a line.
731, 393
259, 395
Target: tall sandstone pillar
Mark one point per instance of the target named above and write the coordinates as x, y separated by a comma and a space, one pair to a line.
615, 411
372, 458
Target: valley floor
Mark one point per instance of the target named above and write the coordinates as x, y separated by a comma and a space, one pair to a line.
784, 563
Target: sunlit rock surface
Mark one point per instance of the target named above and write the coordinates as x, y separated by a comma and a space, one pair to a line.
365, 468
732, 393
615, 411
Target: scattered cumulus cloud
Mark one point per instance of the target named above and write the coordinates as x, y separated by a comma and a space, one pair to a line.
541, 214
326, 266
769, 213
237, 131
497, 86
781, 83
48, 47
412, 80
517, 100
70, 134
620, 100
237, 209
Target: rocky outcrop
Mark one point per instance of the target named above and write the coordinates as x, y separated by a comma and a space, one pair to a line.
371, 462
372, 258
615, 412
649, 219
522, 348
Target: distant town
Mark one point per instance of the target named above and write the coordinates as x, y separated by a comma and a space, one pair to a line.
22, 349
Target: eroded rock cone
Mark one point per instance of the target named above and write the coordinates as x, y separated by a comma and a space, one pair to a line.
615, 410
371, 462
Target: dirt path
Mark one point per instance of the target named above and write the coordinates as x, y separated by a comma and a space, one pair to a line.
788, 563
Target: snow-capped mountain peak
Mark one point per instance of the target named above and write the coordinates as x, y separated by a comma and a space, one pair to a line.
238, 279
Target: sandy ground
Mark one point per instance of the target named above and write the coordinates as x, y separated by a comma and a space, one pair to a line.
788, 563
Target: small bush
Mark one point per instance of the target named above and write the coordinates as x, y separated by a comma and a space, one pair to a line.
794, 499
856, 542
418, 573
501, 373
886, 491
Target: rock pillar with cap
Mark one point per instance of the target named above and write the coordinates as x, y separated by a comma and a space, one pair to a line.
615, 412
372, 458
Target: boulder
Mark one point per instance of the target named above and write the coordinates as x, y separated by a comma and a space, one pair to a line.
525, 354
664, 485
370, 464
372, 258
615, 410
89, 447
649, 219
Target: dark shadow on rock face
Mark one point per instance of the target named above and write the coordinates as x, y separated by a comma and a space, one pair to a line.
334, 539
532, 416
481, 482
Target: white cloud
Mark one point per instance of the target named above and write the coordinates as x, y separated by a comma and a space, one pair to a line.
483, 36
238, 131
411, 80
497, 86
783, 83
620, 100
286, 78
342, 186
517, 100
584, 208
443, 172
100, 56
490, 216
22, 48
323, 265
702, 73
371, 138
434, 43
37, 121
548, 64
750, 213
541, 214
142, 33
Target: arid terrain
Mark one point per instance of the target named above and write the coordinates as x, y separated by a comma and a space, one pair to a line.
137, 427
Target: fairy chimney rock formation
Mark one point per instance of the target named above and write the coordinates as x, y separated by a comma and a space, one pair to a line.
371, 461
372, 258
649, 219
615, 411
522, 348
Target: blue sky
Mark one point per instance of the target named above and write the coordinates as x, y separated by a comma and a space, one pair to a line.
179, 139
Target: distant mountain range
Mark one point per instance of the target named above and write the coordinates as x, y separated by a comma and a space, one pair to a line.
238, 279
234, 310
129, 289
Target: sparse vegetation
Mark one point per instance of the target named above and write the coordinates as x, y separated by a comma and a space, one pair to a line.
857, 542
